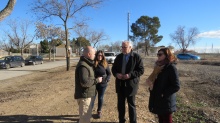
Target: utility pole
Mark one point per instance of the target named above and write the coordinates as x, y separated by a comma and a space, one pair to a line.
212, 47
128, 24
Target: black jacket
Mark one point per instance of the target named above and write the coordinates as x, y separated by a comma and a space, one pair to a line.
162, 97
105, 73
134, 68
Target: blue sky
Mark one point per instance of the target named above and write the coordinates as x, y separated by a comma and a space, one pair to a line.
112, 18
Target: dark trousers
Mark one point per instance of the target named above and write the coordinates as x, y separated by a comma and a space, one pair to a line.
131, 107
165, 118
101, 92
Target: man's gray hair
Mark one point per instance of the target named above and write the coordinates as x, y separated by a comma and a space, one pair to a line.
129, 42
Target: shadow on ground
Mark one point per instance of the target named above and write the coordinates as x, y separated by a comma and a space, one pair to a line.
41, 119
37, 119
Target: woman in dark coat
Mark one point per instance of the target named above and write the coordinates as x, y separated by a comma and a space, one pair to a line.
101, 70
163, 84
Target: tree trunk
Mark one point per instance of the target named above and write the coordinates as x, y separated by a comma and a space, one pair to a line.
7, 10
22, 52
146, 51
50, 54
67, 49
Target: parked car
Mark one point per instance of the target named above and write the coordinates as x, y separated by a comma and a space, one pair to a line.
12, 61
34, 59
187, 56
110, 57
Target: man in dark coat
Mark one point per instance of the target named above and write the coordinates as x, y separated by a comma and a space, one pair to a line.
127, 69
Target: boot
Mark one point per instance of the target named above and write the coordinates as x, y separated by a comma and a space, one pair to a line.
98, 114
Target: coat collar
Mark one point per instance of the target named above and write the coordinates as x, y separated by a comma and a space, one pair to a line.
130, 54
88, 61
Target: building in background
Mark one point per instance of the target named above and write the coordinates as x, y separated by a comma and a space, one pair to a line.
34, 49
61, 50
3, 53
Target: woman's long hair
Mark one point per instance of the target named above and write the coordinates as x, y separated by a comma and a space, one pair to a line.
169, 55
103, 62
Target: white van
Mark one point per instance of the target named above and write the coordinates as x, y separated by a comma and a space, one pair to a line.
110, 57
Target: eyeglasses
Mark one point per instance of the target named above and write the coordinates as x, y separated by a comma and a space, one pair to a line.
159, 54
100, 55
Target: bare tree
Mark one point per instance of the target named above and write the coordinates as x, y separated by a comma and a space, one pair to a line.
93, 36
7, 10
116, 46
64, 10
104, 47
5, 45
184, 40
96, 37
82, 30
18, 35
49, 32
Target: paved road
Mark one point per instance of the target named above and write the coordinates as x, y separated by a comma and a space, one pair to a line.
18, 71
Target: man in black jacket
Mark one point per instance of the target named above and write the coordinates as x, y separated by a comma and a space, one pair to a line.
127, 69
85, 84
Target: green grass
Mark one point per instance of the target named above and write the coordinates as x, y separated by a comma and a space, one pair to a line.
189, 113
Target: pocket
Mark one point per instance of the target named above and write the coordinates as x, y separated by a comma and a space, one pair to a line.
164, 102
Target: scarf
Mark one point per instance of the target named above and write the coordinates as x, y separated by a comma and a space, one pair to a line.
157, 69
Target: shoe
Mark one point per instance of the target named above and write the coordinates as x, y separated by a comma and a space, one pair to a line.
99, 114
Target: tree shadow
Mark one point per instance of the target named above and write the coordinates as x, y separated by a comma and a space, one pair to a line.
41, 119
104, 122
38, 119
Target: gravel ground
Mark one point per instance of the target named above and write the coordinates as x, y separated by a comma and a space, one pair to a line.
204, 72
201, 89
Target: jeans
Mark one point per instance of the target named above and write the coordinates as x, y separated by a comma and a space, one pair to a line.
100, 92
